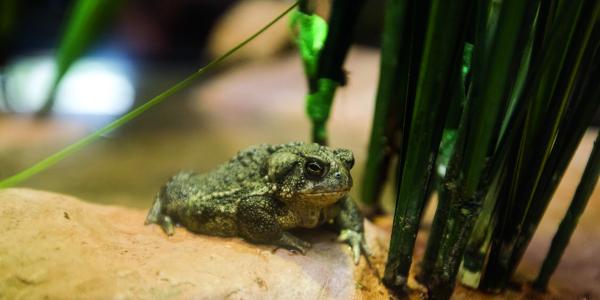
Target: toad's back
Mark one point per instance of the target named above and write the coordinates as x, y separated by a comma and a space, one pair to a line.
207, 203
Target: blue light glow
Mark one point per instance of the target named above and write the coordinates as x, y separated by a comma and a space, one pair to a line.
92, 86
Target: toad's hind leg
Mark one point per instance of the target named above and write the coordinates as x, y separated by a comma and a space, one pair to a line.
155, 216
257, 222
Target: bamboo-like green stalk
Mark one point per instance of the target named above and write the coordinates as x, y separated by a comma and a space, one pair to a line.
494, 179
64, 153
484, 119
477, 248
443, 49
390, 103
450, 163
577, 120
448, 187
446, 192
550, 89
330, 73
569, 223
412, 52
449, 134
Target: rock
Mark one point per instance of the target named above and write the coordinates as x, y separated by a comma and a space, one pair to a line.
56, 246
244, 19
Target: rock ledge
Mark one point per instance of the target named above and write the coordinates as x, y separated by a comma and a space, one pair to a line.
57, 246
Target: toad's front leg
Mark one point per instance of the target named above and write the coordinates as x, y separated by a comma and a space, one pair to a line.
257, 223
350, 222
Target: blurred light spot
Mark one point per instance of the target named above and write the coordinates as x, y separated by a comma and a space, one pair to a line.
28, 82
441, 170
92, 86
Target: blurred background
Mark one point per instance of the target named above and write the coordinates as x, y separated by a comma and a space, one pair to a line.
69, 67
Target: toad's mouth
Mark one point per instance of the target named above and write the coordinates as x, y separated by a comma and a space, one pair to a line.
327, 193
325, 197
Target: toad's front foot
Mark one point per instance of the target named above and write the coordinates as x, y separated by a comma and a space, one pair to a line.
291, 242
357, 241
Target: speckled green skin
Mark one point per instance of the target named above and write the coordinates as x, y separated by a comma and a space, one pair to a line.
263, 192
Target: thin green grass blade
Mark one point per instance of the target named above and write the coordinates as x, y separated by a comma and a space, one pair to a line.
567, 226
62, 154
87, 20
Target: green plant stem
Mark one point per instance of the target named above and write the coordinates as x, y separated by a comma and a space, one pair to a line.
475, 255
551, 92
449, 162
390, 100
444, 43
344, 16
448, 188
62, 154
447, 191
566, 144
483, 120
494, 178
449, 134
569, 223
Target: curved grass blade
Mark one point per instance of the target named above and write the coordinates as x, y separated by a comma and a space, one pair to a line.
567, 226
62, 154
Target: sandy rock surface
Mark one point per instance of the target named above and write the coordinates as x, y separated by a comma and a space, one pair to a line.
55, 246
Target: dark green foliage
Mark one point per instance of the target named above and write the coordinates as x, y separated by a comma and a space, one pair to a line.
441, 58
491, 74
329, 71
527, 102
390, 104
549, 89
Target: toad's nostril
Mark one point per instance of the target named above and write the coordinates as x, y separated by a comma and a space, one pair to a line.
338, 175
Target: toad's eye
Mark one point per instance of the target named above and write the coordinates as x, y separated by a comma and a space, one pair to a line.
314, 169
